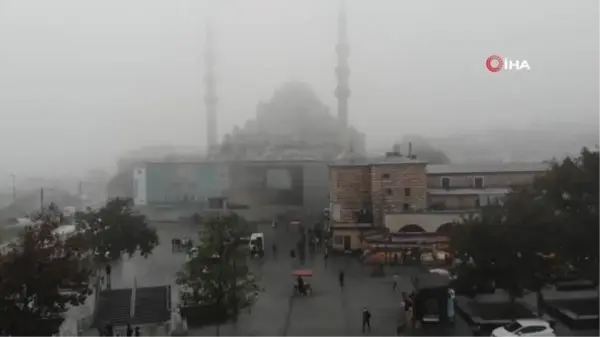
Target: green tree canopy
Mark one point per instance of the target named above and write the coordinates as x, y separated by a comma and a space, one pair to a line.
557, 216
40, 276
116, 229
218, 273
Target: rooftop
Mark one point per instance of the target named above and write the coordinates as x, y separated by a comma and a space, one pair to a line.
389, 159
469, 191
152, 305
487, 168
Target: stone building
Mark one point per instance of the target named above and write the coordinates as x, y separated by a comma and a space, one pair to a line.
459, 187
402, 194
362, 192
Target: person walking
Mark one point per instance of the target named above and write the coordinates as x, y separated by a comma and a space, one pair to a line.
408, 308
137, 331
274, 250
399, 329
395, 280
366, 319
108, 270
341, 278
129, 331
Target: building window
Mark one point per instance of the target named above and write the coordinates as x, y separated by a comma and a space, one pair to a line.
445, 182
385, 176
216, 203
407, 192
406, 207
389, 191
478, 182
338, 239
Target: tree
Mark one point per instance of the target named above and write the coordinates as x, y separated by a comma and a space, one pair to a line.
556, 217
218, 275
116, 229
40, 277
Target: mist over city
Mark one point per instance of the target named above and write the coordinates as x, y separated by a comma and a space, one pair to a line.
104, 78
385, 133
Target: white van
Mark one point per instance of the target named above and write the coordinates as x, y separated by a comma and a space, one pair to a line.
257, 243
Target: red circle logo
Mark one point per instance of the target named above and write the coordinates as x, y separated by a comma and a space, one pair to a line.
494, 63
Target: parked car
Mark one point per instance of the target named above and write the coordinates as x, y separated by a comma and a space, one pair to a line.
525, 327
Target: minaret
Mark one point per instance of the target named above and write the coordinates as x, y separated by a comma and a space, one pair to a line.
342, 92
210, 95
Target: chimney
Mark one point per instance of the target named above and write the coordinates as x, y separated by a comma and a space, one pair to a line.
395, 151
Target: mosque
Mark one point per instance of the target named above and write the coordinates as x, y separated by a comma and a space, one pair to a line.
279, 158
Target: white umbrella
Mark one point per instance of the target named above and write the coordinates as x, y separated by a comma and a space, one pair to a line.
440, 271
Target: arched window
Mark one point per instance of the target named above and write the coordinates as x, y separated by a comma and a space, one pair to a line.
446, 228
412, 228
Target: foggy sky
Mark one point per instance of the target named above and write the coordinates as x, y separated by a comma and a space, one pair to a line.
84, 81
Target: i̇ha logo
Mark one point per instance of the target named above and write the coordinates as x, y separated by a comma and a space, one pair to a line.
496, 63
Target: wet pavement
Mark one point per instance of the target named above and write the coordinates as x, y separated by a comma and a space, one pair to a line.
330, 310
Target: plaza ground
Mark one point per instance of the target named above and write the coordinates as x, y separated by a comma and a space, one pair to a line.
329, 311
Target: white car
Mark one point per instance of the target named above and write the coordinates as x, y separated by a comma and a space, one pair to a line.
525, 327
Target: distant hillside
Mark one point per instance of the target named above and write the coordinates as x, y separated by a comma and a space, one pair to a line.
505, 145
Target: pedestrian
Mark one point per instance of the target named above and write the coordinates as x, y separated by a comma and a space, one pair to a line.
341, 278
108, 270
395, 279
137, 331
366, 319
292, 254
399, 329
326, 254
408, 307
129, 331
274, 250
451, 296
109, 330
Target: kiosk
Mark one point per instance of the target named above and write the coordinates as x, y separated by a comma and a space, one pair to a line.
431, 298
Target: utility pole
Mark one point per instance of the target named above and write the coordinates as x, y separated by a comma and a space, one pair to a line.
80, 192
14, 187
42, 199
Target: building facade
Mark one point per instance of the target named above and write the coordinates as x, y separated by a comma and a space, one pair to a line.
401, 194
174, 184
460, 187
362, 193
245, 184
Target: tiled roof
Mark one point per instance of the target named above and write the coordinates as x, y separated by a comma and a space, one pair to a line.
152, 305
430, 280
487, 168
113, 306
